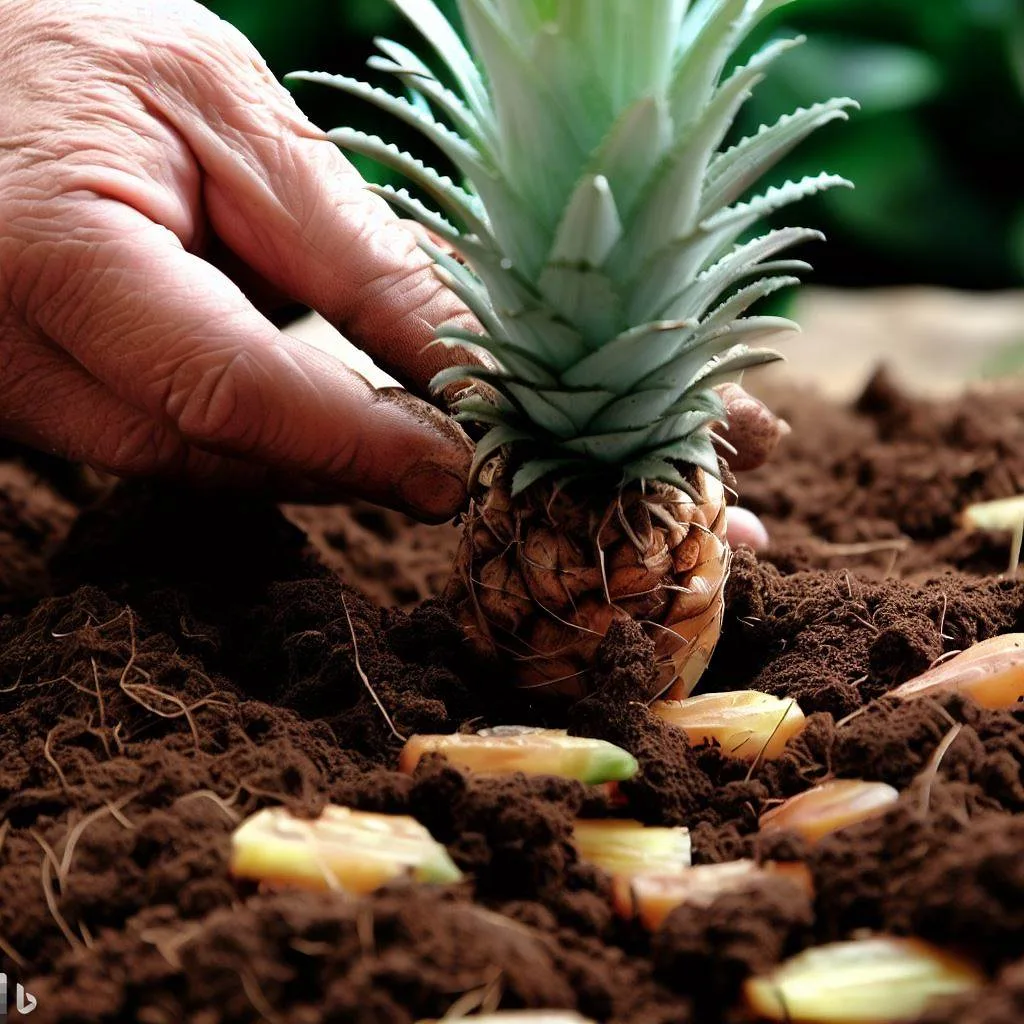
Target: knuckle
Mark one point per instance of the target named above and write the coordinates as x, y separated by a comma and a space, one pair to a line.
139, 448
221, 402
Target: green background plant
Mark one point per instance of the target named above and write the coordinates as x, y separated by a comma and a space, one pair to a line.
937, 150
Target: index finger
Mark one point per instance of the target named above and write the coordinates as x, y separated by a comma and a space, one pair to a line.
289, 204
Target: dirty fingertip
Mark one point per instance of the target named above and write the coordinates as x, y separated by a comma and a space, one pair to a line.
743, 528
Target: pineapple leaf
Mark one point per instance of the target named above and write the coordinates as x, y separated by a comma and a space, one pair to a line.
591, 226
455, 201
670, 207
691, 447
417, 77
648, 468
735, 170
463, 155
711, 32
536, 470
629, 357
486, 348
580, 406
543, 331
461, 282
585, 298
633, 411
497, 378
434, 27
529, 117
736, 305
403, 201
742, 262
541, 410
495, 439
729, 366
634, 145
742, 215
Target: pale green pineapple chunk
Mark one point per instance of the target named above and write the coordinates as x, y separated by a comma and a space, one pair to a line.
598, 218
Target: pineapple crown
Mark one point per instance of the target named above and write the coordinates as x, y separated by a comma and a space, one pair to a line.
598, 220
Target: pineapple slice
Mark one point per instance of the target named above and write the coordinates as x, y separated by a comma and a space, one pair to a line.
990, 673
624, 847
868, 981
830, 807
651, 898
355, 851
747, 724
522, 749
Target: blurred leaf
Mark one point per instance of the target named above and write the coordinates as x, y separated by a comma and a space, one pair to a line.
1016, 45
880, 76
1017, 240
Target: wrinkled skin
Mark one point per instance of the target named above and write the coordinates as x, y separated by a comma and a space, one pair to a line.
160, 193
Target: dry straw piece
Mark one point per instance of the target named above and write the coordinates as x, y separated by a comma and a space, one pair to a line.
514, 748
870, 981
346, 850
746, 724
830, 807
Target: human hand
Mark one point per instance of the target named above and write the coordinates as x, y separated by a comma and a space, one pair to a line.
151, 165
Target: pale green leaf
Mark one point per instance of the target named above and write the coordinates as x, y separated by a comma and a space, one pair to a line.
544, 333
458, 151
540, 410
730, 365
455, 201
670, 206
741, 262
632, 149
733, 172
536, 470
529, 119
434, 27
736, 305
519, 364
629, 357
590, 227
495, 439
587, 299
414, 74
401, 200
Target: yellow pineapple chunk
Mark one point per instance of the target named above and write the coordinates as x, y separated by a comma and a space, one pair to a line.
355, 851
746, 724
624, 847
1000, 514
990, 673
651, 898
868, 981
829, 807
513, 748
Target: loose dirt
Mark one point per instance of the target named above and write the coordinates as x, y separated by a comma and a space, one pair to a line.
170, 663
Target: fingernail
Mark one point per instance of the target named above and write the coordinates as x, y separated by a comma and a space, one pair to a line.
432, 491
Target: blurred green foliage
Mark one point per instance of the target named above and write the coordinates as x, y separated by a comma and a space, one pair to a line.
936, 151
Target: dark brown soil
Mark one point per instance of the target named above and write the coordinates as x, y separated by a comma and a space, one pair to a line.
170, 663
